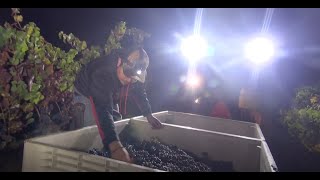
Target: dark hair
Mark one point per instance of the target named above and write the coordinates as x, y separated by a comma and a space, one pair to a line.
124, 53
128, 45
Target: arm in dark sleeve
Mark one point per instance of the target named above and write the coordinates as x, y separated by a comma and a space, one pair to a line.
101, 94
105, 123
139, 96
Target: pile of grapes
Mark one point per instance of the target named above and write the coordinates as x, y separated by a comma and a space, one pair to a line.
156, 155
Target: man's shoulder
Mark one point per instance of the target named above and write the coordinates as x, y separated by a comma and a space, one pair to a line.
105, 62
106, 59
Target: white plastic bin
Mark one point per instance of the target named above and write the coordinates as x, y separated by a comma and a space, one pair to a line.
229, 126
247, 154
66, 151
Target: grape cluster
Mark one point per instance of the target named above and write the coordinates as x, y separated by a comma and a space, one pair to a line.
96, 152
156, 155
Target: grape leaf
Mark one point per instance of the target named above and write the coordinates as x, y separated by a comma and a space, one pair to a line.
4, 56
30, 121
28, 107
84, 45
29, 115
18, 18
15, 10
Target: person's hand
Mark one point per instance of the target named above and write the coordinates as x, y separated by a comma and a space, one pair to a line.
118, 152
121, 154
155, 123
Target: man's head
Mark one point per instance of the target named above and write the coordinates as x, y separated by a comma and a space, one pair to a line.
132, 66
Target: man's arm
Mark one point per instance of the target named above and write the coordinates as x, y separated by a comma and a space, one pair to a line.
139, 95
104, 119
100, 86
100, 91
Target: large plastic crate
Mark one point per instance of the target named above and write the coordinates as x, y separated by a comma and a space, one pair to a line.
66, 151
229, 126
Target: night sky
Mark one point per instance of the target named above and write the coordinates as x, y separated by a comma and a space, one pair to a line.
296, 32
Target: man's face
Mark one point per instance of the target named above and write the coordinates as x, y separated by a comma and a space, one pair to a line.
135, 55
125, 79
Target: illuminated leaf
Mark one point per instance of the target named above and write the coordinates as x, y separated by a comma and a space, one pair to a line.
18, 18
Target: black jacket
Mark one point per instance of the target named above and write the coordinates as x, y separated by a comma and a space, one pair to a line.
98, 80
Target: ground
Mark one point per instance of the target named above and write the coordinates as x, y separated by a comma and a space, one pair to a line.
11, 161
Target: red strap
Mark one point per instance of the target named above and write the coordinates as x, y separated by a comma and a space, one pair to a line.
125, 102
121, 94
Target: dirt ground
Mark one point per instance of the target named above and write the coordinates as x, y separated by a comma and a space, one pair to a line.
11, 161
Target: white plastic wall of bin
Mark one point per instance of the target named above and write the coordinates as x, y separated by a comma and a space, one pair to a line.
44, 158
266, 156
78, 140
209, 123
65, 151
245, 153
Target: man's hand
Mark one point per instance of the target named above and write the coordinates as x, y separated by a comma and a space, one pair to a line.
118, 152
155, 123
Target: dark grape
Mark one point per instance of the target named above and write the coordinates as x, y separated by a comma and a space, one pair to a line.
156, 155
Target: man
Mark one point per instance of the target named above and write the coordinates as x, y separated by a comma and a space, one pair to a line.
248, 105
220, 108
101, 78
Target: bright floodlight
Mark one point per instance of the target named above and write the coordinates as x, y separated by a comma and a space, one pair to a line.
194, 48
139, 72
259, 50
193, 81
